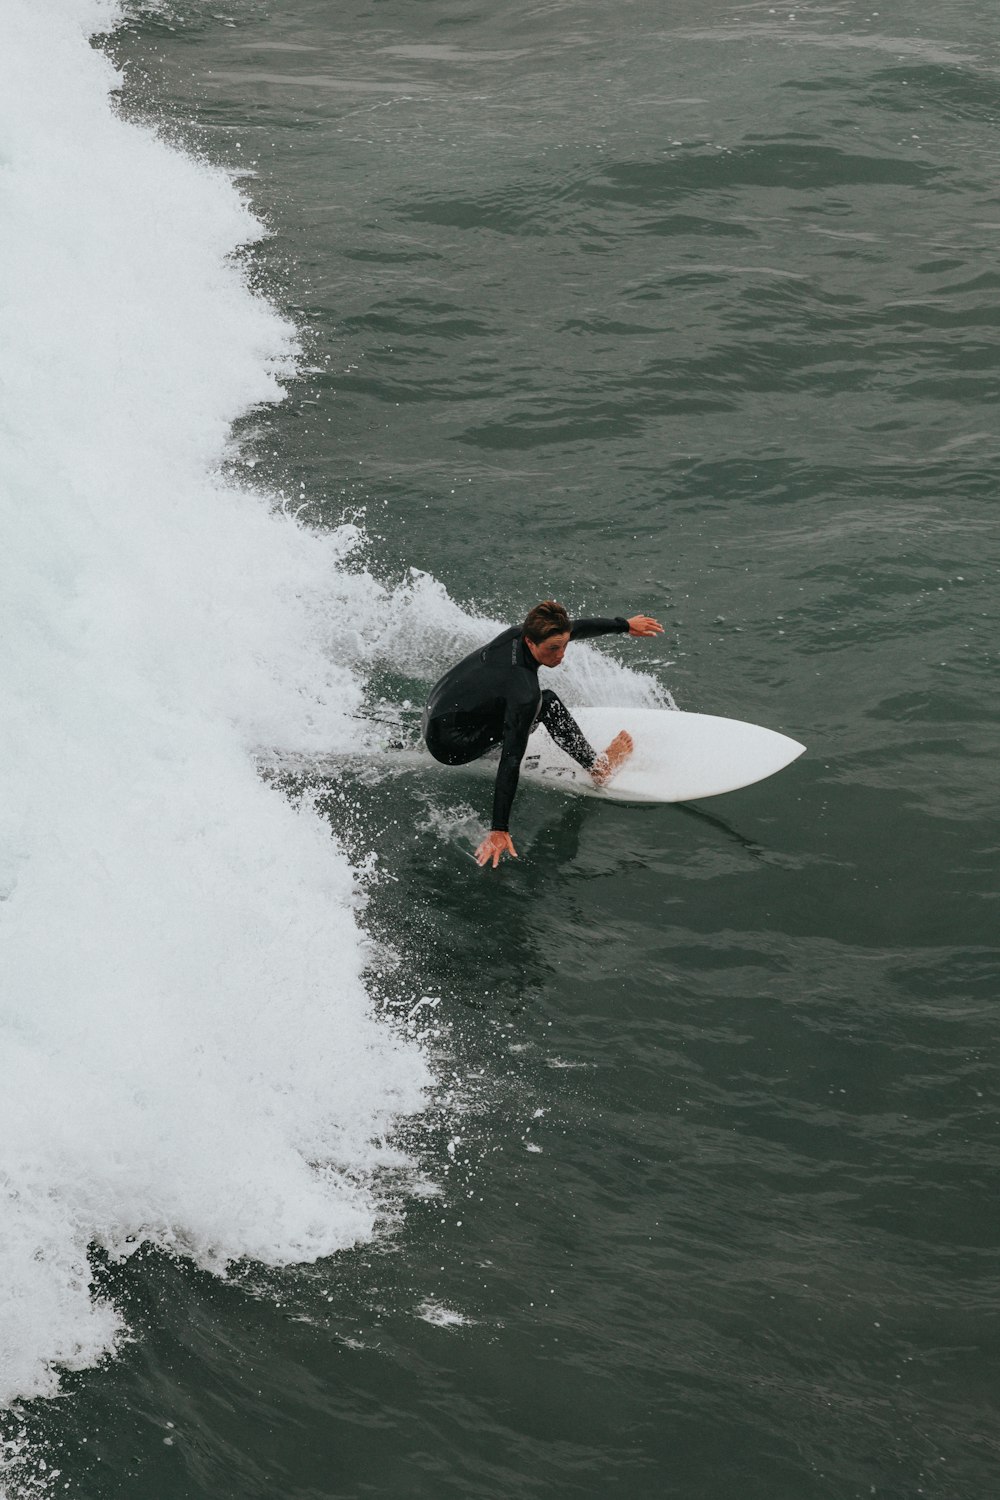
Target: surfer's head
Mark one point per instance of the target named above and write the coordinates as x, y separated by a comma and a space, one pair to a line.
546, 632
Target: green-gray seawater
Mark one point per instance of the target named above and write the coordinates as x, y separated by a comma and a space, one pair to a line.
690, 310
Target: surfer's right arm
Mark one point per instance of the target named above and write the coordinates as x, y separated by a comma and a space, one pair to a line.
518, 719
495, 844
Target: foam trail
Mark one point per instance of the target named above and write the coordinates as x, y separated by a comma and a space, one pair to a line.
187, 1052
418, 630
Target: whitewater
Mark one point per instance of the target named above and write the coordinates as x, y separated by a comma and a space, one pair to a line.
189, 1053
190, 1056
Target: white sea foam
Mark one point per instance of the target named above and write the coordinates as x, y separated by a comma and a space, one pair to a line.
443, 1317
418, 630
188, 1053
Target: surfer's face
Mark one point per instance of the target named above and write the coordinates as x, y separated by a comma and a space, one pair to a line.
550, 652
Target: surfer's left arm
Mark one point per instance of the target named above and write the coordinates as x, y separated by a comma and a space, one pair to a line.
641, 625
644, 625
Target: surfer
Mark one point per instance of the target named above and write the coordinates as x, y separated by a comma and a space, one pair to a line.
493, 697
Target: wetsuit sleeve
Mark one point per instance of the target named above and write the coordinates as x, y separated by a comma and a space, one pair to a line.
516, 728
580, 630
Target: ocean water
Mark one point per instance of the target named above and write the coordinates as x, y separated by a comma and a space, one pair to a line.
663, 1161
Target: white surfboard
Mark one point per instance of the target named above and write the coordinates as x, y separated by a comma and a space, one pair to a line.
678, 757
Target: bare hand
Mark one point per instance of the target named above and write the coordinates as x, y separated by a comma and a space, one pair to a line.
644, 625
493, 846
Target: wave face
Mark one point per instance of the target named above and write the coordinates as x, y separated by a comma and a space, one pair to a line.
189, 1054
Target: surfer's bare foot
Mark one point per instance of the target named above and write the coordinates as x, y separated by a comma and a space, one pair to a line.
613, 757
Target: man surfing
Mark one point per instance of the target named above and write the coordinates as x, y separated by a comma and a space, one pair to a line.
493, 697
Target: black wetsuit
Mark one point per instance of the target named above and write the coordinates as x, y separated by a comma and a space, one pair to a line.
493, 698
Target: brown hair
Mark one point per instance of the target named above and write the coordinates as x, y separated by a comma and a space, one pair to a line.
547, 618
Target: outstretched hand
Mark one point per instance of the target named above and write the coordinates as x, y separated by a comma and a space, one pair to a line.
644, 625
493, 846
